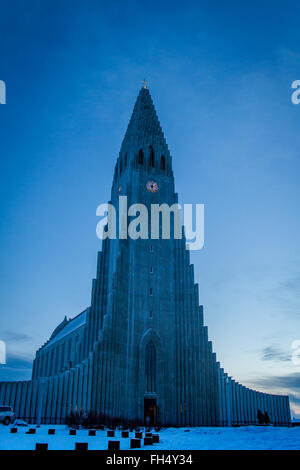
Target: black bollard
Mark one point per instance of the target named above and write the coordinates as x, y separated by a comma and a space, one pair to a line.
113, 445
135, 443
41, 447
81, 446
148, 441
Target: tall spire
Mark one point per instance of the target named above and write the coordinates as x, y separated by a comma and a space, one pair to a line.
144, 134
144, 128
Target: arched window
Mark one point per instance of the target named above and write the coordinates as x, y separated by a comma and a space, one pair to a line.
163, 163
150, 367
152, 163
141, 157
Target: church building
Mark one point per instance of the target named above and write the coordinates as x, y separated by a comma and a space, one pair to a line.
140, 352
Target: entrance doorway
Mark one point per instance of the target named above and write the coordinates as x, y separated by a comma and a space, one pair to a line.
150, 411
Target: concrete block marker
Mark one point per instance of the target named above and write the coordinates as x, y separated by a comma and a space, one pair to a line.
155, 438
125, 433
139, 435
13, 430
51, 431
135, 443
41, 447
113, 445
148, 441
92, 432
81, 446
31, 431
72, 432
110, 433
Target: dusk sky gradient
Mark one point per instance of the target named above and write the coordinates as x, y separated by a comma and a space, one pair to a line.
220, 76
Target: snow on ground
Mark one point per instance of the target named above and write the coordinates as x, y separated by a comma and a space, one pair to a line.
250, 437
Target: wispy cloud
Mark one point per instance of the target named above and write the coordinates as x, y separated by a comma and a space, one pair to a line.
274, 353
285, 382
14, 336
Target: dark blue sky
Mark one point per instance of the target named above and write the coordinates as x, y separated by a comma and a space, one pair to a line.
220, 76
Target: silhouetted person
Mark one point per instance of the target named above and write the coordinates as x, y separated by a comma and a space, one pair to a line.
266, 418
260, 417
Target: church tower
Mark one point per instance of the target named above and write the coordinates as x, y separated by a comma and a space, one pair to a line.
140, 352
153, 358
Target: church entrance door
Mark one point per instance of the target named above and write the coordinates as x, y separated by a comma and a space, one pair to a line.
150, 411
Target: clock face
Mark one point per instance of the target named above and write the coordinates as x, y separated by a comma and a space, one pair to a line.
152, 186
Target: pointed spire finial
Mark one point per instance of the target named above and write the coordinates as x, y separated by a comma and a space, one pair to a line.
144, 83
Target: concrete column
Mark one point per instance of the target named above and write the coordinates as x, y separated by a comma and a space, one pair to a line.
33, 404
18, 400
12, 395
281, 410
273, 409
75, 390
253, 407
242, 399
90, 382
2, 391
48, 400
59, 399
70, 392
228, 401
8, 393
23, 398
288, 410
64, 405
238, 403
54, 400
234, 401
41, 401
247, 405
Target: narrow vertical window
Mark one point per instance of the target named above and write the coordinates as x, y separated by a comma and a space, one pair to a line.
120, 165
151, 291
125, 159
151, 269
151, 314
163, 163
141, 157
152, 164
150, 367
151, 248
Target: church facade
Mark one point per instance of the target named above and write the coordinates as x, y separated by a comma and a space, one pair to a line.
140, 352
